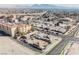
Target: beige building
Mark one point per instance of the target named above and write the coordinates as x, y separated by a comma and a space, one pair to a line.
11, 29
22, 28
8, 28
42, 44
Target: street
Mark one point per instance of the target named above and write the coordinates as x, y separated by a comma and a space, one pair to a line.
57, 50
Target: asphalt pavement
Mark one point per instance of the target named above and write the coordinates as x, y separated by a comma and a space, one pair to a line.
58, 49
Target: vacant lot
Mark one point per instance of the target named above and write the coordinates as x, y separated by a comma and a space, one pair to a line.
74, 49
9, 46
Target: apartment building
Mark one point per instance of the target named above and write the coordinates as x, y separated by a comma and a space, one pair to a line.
8, 28
11, 28
22, 28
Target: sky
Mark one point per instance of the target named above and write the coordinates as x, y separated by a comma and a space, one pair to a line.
65, 5
69, 5
13, 5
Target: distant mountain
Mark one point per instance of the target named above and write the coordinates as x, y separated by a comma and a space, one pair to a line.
44, 6
35, 6
49, 6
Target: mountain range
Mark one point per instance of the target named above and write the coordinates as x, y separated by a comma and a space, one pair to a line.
36, 6
42, 6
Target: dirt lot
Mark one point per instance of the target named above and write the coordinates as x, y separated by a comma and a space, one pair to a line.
9, 46
74, 49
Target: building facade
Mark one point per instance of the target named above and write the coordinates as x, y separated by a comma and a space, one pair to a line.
11, 29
